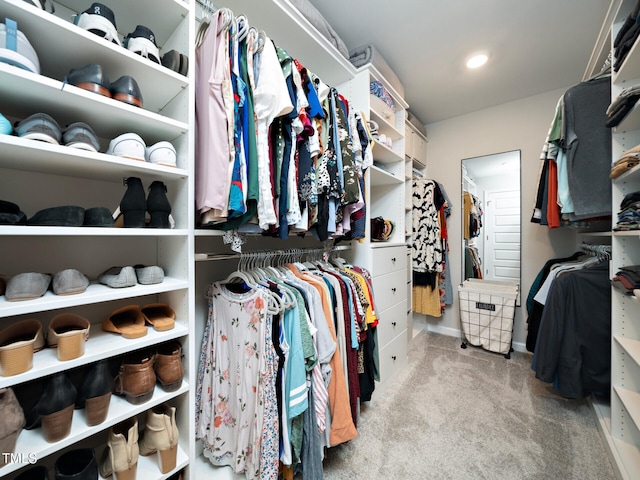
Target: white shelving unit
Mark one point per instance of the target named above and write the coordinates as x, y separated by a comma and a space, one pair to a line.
619, 419
37, 175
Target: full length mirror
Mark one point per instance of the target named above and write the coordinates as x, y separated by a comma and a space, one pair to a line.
491, 217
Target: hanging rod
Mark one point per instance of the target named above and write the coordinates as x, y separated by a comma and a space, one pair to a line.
200, 257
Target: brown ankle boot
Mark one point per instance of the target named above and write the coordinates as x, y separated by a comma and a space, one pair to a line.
168, 367
136, 379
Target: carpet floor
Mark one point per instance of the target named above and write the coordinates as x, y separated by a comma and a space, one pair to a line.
461, 414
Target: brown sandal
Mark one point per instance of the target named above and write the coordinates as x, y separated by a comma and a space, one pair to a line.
160, 315
127, 321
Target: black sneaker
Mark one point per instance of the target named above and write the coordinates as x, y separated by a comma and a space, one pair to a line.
143, 42
100, 20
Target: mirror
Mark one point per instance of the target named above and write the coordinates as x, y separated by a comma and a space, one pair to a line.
491, 217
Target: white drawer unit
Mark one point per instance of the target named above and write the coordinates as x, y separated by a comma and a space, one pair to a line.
392, 322
389, 259
393, 357
389, 289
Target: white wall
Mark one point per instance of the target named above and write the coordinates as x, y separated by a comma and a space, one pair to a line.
519, 125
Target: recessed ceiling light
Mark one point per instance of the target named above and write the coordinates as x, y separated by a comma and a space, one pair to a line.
477, 60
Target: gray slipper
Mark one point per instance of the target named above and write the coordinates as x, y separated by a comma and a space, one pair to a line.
149, 275
118, 277
27, 286
69, 282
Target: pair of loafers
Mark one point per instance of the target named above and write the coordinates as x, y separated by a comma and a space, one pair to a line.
93, 78
32, 285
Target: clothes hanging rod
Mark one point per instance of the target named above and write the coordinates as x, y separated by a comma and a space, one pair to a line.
200, 257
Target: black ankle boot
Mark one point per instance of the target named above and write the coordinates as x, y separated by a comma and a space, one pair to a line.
158, 206
54, 409
77, 465
94, 393
35, 473
133, 204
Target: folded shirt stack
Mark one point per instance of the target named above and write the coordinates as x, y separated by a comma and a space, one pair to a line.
626, 162
622, 105
627, 279
629, 214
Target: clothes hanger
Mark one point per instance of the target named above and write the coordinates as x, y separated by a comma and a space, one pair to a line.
207, 11
242, 27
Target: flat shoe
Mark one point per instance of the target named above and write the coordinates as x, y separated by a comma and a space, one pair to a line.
62, 216
90, 77
27, 286
149, 275
127, 321
126, 89
69, 282
118, 277
160, 315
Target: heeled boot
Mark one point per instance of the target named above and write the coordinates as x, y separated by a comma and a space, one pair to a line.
94, 393
54, 409
77, 464
158, 205
133, 204
168, 366
120, 458
13, 422
136, 379
161, 436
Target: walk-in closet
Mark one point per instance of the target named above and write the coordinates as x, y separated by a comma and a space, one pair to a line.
279, 240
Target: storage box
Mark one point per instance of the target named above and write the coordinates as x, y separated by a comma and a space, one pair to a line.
383, 110
487, 310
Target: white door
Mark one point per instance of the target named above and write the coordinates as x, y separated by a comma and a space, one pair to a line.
502, 235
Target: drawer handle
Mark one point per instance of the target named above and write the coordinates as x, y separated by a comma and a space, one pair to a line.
393, 289
394, 324
393, 357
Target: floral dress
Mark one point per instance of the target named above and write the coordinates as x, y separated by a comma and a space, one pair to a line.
233, 370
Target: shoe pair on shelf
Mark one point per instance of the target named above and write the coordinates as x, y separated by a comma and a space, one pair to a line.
93, 78
67, 332
131, 321
134, 205
131, 145
100, 20
122, 277
77, 464
41, 126
160, 437
32, 285
139, 372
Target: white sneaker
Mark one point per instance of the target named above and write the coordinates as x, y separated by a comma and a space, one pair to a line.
15, 49
162, 153
128, 145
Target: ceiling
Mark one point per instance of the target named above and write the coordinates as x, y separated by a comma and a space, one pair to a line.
534, 47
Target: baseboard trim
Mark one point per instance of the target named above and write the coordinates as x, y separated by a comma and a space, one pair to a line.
456, 332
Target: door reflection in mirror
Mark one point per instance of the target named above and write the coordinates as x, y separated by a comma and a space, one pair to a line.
491, 217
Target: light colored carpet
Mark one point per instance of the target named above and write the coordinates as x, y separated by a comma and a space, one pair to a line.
470, 414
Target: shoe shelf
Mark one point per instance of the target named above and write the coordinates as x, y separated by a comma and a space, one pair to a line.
61, 45
32, 155
33, 442
24, 91
95, 293
100, 345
